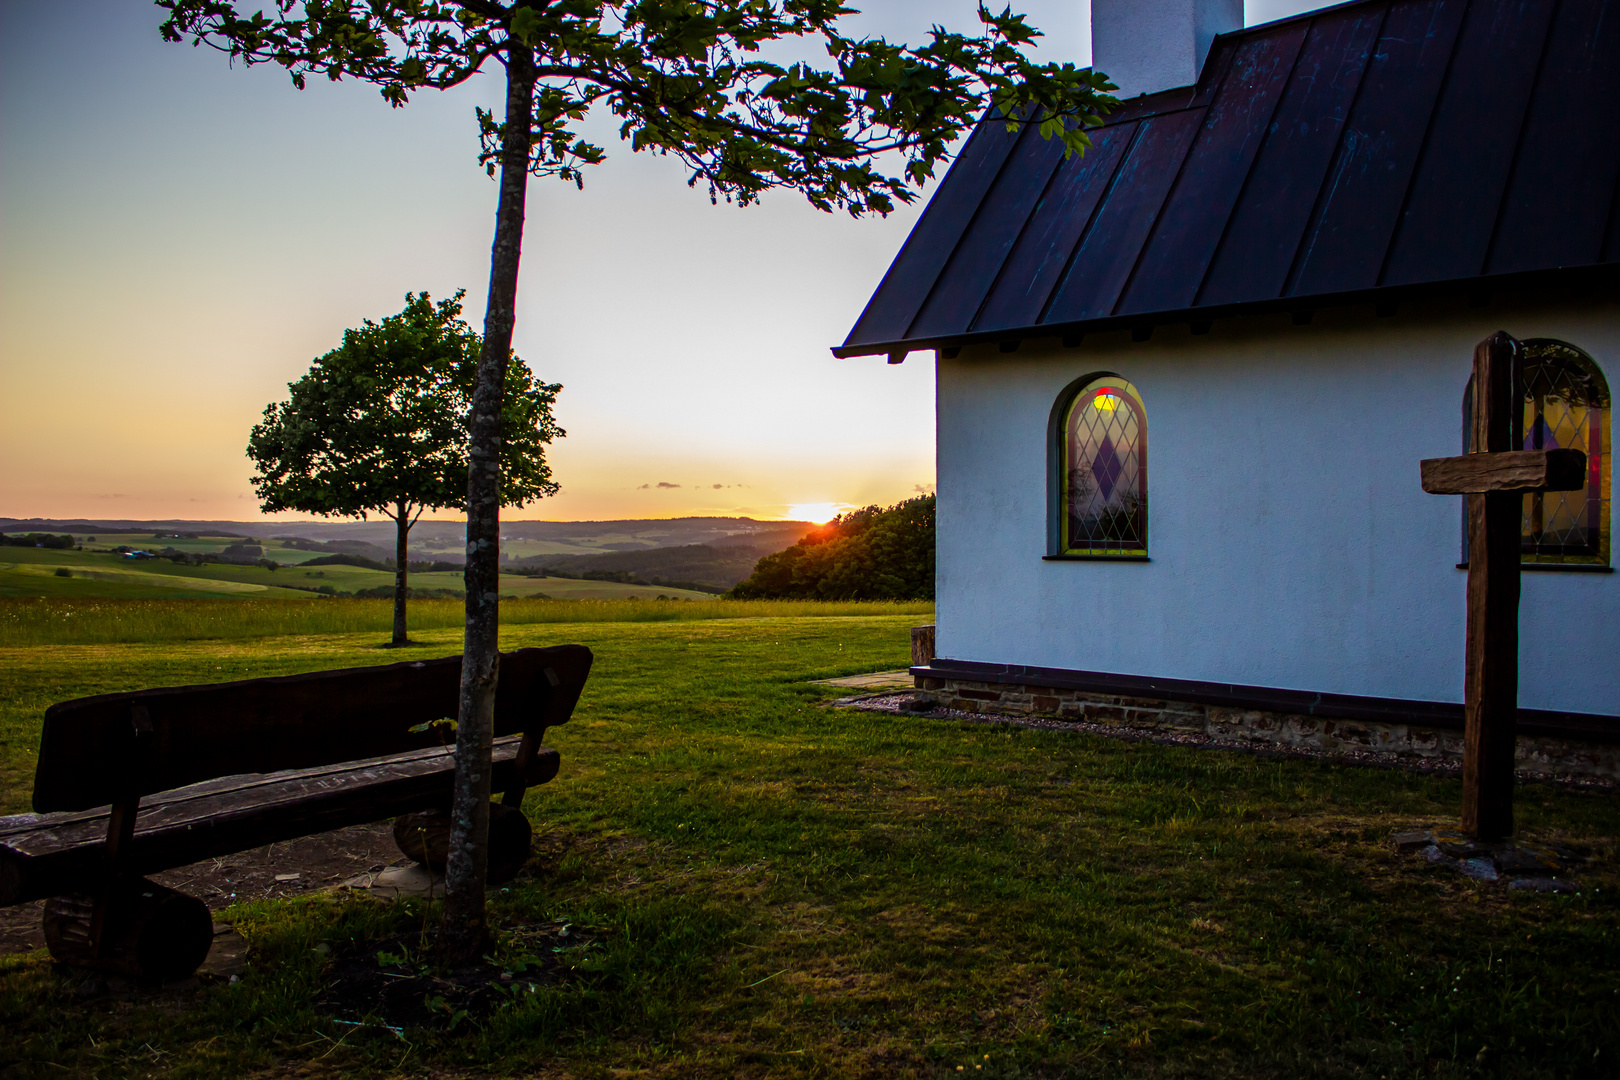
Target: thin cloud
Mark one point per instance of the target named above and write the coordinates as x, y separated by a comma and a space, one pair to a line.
667, 484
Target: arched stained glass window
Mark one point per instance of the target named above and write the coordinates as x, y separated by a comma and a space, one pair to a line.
1103, 505
1566, 404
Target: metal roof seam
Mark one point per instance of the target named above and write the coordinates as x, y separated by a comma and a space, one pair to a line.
1314, 222
1158, 215
1518, 142
896, 268
1221, 52
1091, 220
1006, 255
1423, 147
1243, 188
967, 227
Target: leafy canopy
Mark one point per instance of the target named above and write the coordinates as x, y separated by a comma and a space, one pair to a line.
381, 422
867, 554
685, 77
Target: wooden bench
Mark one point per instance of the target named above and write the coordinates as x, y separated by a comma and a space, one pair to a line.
134, 783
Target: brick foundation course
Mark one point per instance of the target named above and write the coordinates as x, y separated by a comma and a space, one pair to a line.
1254, 728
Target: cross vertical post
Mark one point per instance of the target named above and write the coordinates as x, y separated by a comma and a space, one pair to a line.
1491, 680
1495, 477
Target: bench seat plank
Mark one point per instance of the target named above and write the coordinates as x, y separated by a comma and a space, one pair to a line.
45, 855
144, 742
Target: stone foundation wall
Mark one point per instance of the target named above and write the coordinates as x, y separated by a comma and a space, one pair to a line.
1254, 728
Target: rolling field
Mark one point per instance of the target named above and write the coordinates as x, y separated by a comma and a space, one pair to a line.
89, 573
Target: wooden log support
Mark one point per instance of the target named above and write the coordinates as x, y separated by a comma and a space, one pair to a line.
425, 837
152, 933
1511, 471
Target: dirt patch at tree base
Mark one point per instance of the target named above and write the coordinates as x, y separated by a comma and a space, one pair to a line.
288, 868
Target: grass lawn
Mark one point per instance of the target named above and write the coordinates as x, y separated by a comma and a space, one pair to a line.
762, 886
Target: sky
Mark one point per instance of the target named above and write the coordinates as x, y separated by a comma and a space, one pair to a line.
179, 239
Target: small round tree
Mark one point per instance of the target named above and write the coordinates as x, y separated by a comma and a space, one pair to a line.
380, 424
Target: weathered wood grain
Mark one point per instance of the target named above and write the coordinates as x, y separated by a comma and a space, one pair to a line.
1491, 676
1506, 470
922, 645
93, 749
47, 854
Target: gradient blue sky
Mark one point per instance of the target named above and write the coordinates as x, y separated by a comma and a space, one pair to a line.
179, 239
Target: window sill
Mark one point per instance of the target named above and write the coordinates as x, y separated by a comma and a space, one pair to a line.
1566, 568
1095, 558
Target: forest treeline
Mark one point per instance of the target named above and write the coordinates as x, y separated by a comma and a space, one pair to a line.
44, 540
868, 554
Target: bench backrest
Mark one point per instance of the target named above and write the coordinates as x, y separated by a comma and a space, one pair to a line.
98, 750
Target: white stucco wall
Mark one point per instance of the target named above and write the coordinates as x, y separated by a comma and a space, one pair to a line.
1291, 544
1146, 46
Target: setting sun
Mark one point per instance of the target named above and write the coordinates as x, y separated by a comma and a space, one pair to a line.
820, 513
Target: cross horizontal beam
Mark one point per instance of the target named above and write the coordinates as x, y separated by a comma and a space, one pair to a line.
1505, 470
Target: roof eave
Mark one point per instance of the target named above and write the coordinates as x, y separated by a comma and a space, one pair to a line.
1382, 296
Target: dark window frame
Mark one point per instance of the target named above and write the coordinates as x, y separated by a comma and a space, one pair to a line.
1595, 555
1059, 546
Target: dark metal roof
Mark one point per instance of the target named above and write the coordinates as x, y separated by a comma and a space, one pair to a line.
1362, 151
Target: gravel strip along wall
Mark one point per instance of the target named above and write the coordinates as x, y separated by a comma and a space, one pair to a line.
1254, 728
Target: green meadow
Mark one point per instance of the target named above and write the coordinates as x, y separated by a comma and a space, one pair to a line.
759, 885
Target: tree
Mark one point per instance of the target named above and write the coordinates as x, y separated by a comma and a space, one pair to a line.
867, 554
685, 78
380, 424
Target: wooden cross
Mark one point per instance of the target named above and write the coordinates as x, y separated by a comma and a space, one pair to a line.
1494, 477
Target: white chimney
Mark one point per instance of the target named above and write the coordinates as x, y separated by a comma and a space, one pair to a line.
1145, 46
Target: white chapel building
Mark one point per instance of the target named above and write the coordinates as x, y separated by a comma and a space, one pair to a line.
1185, 380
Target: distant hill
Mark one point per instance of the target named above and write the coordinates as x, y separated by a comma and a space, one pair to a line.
710, 553
445, 539
711, 566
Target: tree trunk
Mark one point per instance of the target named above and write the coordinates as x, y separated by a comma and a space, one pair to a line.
465, 929
402, 532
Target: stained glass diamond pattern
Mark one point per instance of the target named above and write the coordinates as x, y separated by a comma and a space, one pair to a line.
1104, 446
1561, 406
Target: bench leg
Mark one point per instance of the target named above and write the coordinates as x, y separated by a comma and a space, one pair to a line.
151, 932
425, 837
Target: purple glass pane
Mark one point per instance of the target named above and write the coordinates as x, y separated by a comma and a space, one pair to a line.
1106, 467
1541, 436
